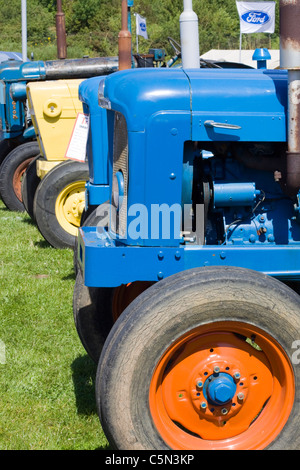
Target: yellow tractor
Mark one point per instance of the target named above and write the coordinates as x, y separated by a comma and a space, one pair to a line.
53, 186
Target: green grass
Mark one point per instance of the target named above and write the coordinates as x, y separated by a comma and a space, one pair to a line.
46, 378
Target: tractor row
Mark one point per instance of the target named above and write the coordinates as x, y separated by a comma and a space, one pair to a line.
187, 257
188, 262
39, 107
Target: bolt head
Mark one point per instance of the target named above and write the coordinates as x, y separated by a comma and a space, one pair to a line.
203, 405
237, 376
240, 396
216, 369
199, 384
224, 411
222, 393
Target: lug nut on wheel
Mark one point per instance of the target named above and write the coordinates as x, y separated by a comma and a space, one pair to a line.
240, 396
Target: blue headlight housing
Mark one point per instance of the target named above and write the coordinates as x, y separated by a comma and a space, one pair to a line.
103, 102
118, 190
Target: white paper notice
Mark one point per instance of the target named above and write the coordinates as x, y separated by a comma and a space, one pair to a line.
77, 146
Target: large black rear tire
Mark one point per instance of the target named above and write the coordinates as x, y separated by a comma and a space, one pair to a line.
175, 334
92, 310
96, 309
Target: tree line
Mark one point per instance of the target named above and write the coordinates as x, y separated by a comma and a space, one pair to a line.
92, 26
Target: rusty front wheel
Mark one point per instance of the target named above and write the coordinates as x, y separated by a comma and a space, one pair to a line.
208, 360
12, 171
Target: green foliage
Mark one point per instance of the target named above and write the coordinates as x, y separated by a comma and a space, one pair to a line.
82, 14
92, 26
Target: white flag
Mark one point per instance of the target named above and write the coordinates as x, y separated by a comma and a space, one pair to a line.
141, 27
256, 17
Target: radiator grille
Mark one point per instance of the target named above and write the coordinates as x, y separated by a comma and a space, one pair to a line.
120, 163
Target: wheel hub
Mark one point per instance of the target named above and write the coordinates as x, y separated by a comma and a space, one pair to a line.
219, 388
214, 388
74, 207
69, 206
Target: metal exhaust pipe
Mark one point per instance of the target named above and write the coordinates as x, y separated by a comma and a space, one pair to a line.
290, 60
79, 68
124, 40
189, 36
61, 32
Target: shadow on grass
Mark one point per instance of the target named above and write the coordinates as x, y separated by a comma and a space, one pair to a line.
70, 277
106, 447
29, 221
83, 374
42, 244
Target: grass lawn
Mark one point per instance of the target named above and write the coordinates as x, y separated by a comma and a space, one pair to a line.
46, 378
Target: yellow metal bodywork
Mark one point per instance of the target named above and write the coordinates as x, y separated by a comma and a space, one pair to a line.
54, 106
43, 166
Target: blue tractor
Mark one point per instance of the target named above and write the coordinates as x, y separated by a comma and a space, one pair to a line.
18, 145
189, 258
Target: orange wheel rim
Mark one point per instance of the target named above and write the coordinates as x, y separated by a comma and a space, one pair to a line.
246, 413
17, 177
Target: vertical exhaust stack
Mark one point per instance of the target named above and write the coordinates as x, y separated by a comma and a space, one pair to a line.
189, 35
290, 60
124, 40
61, 32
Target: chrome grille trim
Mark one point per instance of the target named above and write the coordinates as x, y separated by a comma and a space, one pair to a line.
120, 163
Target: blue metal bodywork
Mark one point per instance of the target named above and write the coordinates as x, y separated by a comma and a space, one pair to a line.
174, 119
14, 75
97, 188
8, 55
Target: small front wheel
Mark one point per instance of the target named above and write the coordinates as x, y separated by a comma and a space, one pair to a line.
203, 361
59, 202
29, 186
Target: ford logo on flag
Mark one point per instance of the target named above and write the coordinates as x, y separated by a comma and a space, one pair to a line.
255, 17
